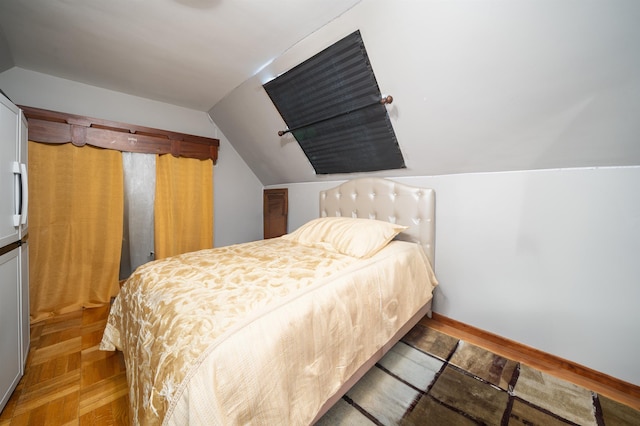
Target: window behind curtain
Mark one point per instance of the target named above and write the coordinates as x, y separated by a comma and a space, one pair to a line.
139, 193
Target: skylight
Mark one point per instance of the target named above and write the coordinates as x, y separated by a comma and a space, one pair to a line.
332, 105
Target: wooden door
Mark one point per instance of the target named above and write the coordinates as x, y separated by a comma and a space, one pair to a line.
275, 209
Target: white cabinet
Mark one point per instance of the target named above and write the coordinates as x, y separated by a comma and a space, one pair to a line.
25, 324
23, 148
14, 248
9, 155
11, 367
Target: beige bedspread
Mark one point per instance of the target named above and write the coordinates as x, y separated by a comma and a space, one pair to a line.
258, 333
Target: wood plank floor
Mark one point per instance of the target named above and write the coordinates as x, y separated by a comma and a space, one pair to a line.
69, 381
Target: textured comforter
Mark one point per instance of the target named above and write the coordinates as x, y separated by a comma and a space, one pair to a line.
258, 333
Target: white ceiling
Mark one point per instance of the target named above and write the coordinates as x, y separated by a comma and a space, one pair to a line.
189, 53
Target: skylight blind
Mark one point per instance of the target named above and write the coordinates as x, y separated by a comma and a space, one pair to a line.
332, 99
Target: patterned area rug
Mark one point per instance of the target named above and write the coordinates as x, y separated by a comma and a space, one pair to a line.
430, 378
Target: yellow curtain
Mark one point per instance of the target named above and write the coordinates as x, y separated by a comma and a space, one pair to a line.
75, 227
183, 205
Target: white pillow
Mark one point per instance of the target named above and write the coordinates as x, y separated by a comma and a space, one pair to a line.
351, 236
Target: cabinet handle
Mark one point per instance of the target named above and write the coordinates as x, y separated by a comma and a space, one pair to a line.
16, 194
25, 193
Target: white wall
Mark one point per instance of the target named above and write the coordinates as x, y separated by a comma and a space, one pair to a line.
237, 191
547, 258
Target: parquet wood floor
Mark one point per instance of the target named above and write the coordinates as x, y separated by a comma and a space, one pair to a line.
68, 380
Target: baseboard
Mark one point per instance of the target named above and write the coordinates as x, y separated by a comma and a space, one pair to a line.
601, 383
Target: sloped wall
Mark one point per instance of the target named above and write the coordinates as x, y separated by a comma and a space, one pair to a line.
478, 86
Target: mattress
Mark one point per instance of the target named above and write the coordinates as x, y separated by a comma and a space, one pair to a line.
258, 333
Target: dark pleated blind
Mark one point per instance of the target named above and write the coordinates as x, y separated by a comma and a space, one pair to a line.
337, 90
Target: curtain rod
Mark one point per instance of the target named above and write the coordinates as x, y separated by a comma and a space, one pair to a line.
383, 101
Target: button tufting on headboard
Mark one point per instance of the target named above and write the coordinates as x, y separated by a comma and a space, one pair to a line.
403, 204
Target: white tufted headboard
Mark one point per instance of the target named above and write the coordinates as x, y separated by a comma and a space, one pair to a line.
383, 199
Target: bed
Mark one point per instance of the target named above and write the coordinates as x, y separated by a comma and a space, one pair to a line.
276, 331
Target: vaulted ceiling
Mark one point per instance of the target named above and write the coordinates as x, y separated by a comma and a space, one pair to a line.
184, 52
478, 86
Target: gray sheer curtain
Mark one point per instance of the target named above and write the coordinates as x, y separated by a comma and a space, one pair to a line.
139, 193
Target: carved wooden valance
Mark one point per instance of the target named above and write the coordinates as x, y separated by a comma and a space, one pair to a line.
56, 127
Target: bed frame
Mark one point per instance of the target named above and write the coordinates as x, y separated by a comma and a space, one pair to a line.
383, 199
